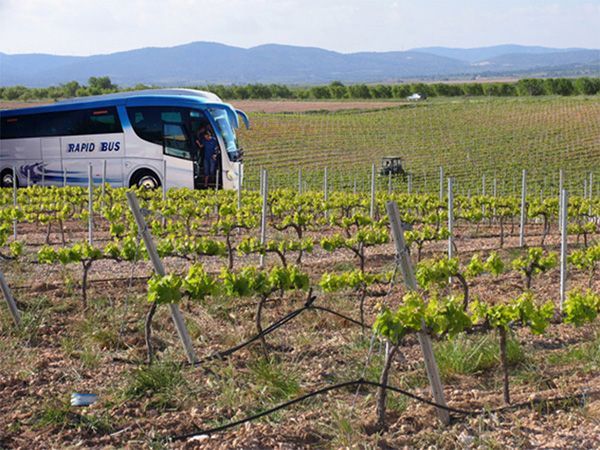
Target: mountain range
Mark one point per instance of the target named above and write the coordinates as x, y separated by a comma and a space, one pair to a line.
200, 63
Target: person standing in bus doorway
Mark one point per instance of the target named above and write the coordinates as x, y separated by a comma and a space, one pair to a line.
209, 159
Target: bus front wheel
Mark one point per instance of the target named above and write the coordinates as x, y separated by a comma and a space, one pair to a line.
6, 178
145, 179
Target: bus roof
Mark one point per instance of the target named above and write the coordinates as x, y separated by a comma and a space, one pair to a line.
107, 99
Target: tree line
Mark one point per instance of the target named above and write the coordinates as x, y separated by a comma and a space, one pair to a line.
335, 90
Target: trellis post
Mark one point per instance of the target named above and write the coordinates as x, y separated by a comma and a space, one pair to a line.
564, 219
403, 261
263, 217
523, 209
182, 331
561, 180
450, 218
441, 184
15, 182
10, 300
90, 204
372, 204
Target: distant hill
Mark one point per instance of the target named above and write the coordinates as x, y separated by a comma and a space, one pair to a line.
473, 55
206, 62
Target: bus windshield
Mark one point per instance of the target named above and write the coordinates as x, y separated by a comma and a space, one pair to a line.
226, 130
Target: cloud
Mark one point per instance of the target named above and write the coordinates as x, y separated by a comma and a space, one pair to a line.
85, 27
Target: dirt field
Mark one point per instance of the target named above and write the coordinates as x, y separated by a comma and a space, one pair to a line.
63, 350
268, 106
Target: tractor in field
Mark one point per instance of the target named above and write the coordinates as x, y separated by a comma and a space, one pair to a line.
392, 165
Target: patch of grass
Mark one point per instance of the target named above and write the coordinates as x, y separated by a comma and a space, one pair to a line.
343, 266
58, 414
466, 355
342, 430
586, 355
160, 384
272, 381
32, 319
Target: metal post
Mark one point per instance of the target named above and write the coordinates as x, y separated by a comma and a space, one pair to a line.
441, 184
261, 182
410, 183
263, 217
103, 179
495, 187
483, 184
10, 300
217, 177
15, 182
389, 183
561, 180
523, 209
563, 245
372, 205
325, 184
182, 331
164, 184
591, 186
239, 188
90, 204
300, 180
450, 218
403, 260
354, 188
28, 177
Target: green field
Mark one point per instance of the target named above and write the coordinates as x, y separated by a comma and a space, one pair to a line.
469, 138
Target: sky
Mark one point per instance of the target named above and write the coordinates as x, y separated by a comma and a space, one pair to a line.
84, 27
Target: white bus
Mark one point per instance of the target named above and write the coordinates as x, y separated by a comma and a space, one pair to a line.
129, 138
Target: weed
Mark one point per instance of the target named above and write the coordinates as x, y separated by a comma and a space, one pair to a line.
272, 381
465, 355
59, 414
586, 355
160, 383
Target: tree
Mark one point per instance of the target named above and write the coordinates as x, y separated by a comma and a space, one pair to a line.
359, 91
559, 86
400, 90
530, 86
381, 91
424, 89
338, 90
473, 89
320, 92
587, 86
101, 83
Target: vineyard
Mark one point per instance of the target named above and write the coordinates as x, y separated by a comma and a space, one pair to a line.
471, 140
304, 300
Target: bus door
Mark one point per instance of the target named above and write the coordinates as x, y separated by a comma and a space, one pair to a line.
178, 156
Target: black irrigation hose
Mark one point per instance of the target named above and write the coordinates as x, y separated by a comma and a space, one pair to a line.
341, 316
266, 331
361, 382
274, 326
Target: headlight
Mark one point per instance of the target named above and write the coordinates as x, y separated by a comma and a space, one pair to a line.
231, 175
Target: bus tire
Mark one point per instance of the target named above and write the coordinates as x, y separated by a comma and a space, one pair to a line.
6, 178
145, 178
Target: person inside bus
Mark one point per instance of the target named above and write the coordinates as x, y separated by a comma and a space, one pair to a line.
210, 145
199, 137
